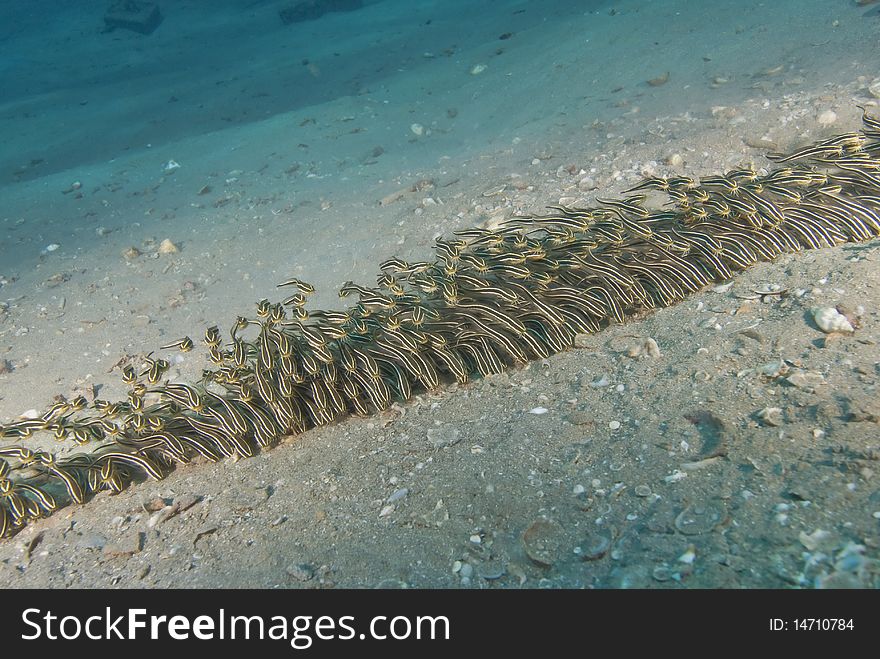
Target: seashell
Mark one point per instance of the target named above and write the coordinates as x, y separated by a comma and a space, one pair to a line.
831, 320
659, 80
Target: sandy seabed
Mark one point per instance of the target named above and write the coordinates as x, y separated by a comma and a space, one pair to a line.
317, 151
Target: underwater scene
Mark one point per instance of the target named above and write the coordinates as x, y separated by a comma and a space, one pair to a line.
440, 294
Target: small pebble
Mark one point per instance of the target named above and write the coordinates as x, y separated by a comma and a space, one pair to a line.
771, 416
805, 380
587, 183
614, 425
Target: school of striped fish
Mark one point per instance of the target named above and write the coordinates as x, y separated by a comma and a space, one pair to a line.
489, 300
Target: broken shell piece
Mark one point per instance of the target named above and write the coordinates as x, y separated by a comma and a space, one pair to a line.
167, 247
773, 369
771, 416
131, 253
814, 539
651, 348
805, 380
772, 289
831, 320
170, 166
772, 71
688, 556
